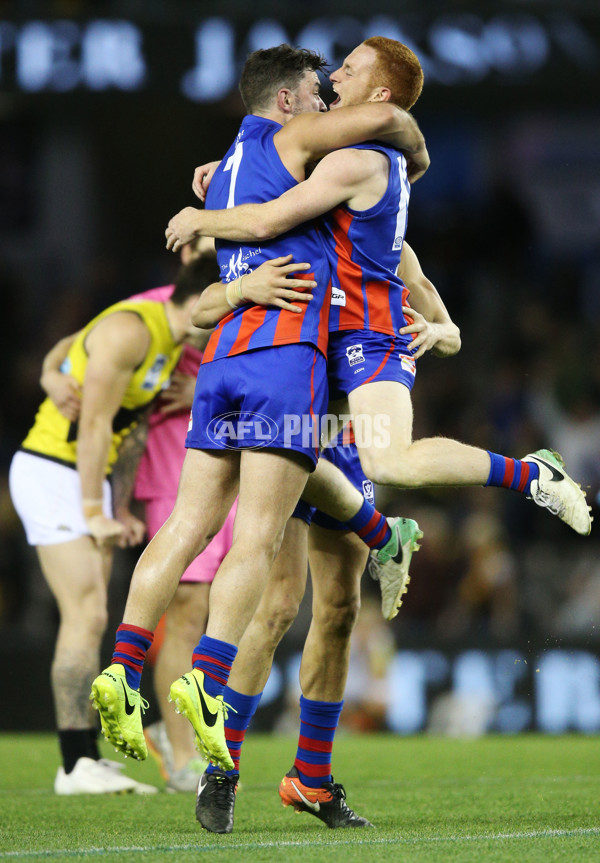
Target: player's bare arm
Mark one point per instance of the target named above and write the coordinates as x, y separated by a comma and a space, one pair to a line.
434, 328
62, 388
116, 346
358, 177
312, 136
268, 285
308, 137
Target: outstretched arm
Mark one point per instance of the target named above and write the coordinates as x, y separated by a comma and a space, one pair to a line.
435, 330
335, 179
308, 137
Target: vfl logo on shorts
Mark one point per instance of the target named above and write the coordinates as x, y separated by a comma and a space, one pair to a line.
368, 491
408, 364
355, 355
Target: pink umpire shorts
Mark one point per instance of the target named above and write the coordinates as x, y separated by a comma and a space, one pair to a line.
205, 566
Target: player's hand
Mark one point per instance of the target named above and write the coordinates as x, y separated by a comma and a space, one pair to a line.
64, 391
182, 228
417, 164
134, 530
202, 177
105, 531
426, 334
268, 285
179, 395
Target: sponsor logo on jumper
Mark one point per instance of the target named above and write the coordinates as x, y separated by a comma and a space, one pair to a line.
338, 296
236, 267
238, 264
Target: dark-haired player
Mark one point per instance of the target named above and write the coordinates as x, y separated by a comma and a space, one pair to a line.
260, 361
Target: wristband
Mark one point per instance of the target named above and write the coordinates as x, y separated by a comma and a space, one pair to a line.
235, 288
92, 507
229, 302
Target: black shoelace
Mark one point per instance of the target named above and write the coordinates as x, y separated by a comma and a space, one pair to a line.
222, 791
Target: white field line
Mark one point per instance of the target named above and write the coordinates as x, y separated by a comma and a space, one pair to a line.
240, 846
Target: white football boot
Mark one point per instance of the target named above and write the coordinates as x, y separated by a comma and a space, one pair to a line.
389, 565
98, 777
556, 491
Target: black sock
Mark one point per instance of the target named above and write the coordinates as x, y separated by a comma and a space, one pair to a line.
74, 744
93, 751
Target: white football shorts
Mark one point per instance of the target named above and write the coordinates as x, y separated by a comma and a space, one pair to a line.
47, 498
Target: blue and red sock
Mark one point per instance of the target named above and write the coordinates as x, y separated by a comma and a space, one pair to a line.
318, 724
370, 525
214, 658
512, 473
131, 645
237, 722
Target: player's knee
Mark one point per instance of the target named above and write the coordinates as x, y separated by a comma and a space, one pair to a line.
89, 620
187, 534
383, 469
259, 542
340, 618
278, 617
276, 626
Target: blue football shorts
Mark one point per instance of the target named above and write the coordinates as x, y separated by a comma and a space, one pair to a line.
267, 398
357, 357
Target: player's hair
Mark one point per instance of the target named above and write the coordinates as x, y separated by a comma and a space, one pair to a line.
398, 68
268, 70
194, 278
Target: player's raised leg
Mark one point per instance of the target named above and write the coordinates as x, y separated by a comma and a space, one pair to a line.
392, 541
439, 461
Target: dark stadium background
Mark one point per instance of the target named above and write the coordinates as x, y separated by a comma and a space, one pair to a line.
105, 110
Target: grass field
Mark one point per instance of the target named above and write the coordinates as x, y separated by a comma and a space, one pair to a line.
525, 798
